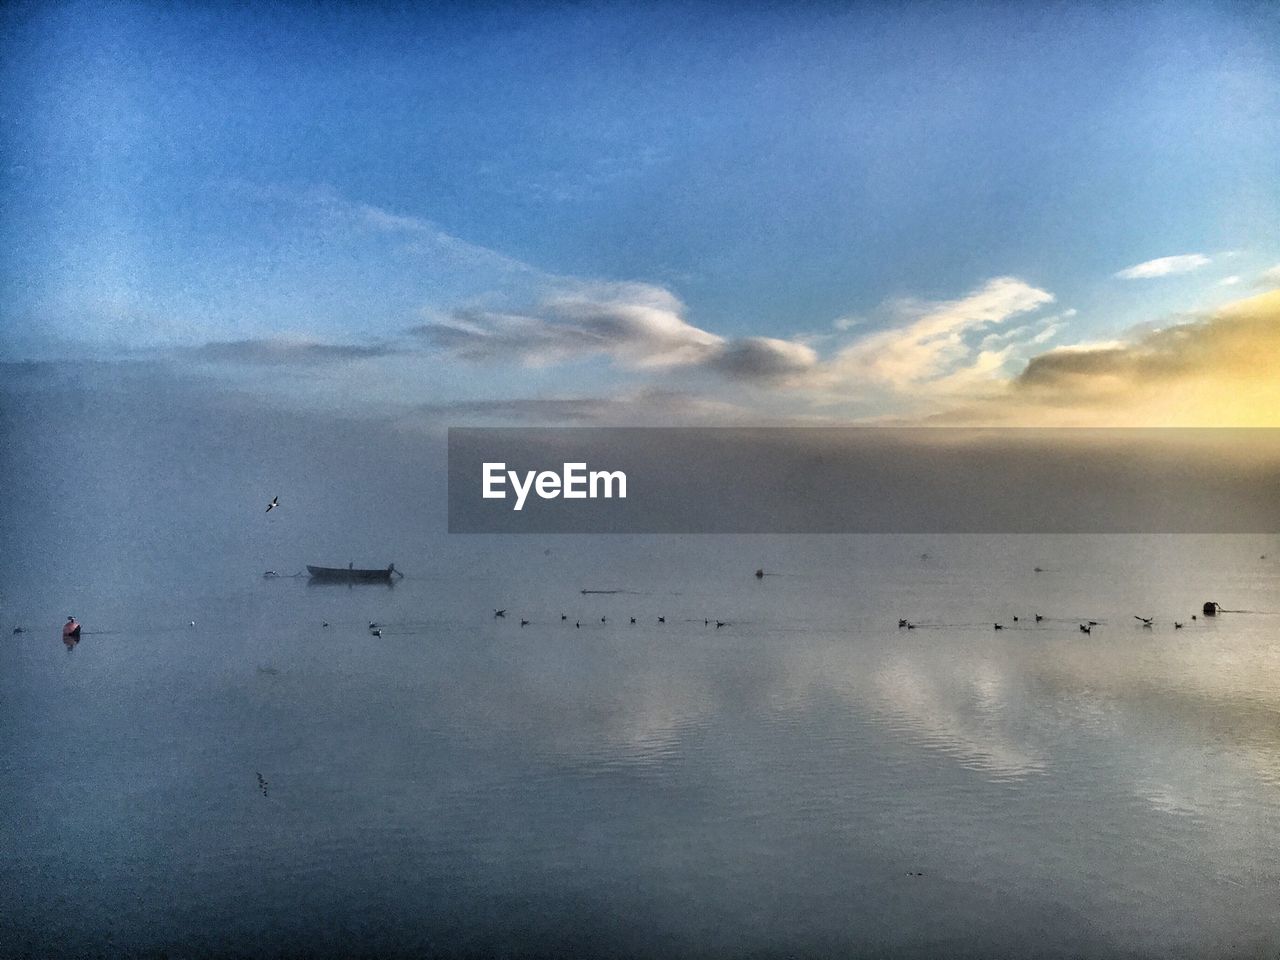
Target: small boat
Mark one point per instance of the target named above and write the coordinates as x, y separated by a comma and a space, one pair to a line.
353, 574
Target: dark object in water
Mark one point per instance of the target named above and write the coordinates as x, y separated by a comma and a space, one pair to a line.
353, 574
17, 630
1211, 609
760, 574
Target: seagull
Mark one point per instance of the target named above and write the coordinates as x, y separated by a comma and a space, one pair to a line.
1015, 619
719, 624
1039, 569
374, 626
17, 630
578, 624
1084, 629
911, 626
1177, 625
375, 633
662, 619
275, 502
524, 623
500, 613
1093, 623
633, 619
193, 623
603, 620
1146, 621
1038, 618
999, 626
564, 616
760, 574
901, 623
262, 783
324, 623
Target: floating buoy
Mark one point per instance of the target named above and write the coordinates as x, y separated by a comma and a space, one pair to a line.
1211, 608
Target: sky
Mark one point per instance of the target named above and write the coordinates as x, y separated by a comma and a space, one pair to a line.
586, 213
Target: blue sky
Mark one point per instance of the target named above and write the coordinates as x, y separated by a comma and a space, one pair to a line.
804, 173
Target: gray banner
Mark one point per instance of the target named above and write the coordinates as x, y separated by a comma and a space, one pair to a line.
863, 480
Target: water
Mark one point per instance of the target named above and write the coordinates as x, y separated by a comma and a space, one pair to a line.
809, 780
466, 785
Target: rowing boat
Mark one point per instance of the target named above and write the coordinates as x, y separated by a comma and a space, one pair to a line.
353, 574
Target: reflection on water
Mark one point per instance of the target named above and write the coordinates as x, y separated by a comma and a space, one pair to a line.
810, 780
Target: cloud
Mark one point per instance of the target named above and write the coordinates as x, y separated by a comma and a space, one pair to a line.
1270, 277
282, 352
1230, 281
1164, 266
763, 358
634, 323
637, 325
935, 345
1218, 370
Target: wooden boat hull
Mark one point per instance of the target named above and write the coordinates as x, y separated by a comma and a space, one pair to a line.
351, 574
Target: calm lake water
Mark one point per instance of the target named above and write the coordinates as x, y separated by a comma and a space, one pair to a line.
809, 780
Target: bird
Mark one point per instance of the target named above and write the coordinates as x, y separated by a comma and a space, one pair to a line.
564, 616
275, 502
662, 619
18, 630
719, 624
911, 626
1092, 623
1146, 621
1193, 616
1084, 629
524, 623
633, 619
578, 624
193, 623
1015, 619
262, 784
1177, 625
375, 633
999, 626
901, 623
760, 574
706, 622
324, 623
603, 620
1039, 569
373, 625
1038, 618
499, 613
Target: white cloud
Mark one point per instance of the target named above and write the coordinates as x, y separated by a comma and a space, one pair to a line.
935, 345
1164, 266
1230, 281
1270, 277
637, 325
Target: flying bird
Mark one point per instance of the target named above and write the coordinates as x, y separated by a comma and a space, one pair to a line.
500, 613
524, 623
275, 502
1084, 629
1146, 621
